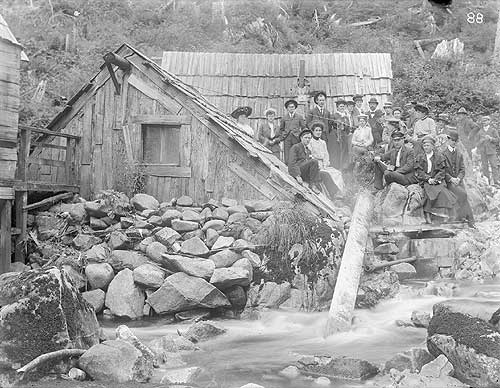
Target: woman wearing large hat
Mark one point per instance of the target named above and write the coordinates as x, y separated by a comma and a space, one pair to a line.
292, 124
241, 115
267, 132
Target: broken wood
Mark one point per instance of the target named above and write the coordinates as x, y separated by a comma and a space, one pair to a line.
48, 201
346, 288
418, 232
376, 267
52, 356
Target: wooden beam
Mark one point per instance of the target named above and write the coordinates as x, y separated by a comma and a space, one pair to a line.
24, 151
44, 144
48, 201
6, 193
256, 183
164, 170
47, 132
149, 89
161, 119
45, 186
5, 235
21, 225
417, 232
46, 162
112, 74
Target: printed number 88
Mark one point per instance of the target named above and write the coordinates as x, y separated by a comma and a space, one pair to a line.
475, 18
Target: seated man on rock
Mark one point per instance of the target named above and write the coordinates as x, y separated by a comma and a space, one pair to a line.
454, 177
396, 165
301, 165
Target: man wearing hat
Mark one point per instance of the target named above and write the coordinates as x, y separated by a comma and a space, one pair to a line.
301, 165
454, 176
410, 116
442, 121
467, 129
387, 109
268, 132
396, 165
292, 123
391, 125
430, 169
423, 126
338, 144
358, 108
319, 113
397, 112
375, 117
488, 142
241, 115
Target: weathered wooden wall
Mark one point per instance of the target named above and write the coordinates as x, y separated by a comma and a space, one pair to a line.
10, 58
211, 164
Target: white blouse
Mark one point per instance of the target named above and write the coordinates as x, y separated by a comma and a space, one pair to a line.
362, 136
319, 151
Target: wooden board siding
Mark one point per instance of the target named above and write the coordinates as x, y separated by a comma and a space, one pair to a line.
10, 57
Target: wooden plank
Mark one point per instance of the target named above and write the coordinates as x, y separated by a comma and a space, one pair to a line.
44, 144
45, 186
150, 90
163, 170
87, 136
69, 162
6, 193
21, 225
260, 185
47, 201
47, 162
85, 180
99, 116
5, 235
24, 150
47, 132
8, 154
161, 119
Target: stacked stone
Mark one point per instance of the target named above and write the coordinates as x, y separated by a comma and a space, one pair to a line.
144, 258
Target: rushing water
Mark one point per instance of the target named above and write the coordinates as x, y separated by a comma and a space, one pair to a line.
255, 351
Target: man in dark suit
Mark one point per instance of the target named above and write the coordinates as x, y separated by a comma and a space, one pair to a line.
454, 177
301, 165
396, 165
319, 113
375, 117
292, 123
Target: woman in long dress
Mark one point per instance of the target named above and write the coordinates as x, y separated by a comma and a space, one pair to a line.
331, 177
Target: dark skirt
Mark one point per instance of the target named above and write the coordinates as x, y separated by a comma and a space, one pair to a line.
439, 200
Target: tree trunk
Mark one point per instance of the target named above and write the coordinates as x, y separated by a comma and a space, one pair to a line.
496, 51
346, 288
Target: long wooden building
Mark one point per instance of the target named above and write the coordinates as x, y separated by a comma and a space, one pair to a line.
140, 123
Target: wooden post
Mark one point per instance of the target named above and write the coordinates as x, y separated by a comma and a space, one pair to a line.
5, 235
21, 223
69, 161
346, 288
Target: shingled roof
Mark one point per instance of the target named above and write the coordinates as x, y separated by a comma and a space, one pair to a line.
263, 80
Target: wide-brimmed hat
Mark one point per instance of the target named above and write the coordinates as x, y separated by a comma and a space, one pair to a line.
428, 139
242, 111
294, 102
373, 99
315, 124
397, 135
362, 116
462, 110
320, 93
305, 132
388, 104
270, 110
357, 97
349, 102
422, 108
452, 133
338, 102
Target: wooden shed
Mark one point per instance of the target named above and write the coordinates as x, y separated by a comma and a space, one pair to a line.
137, 120
260, 81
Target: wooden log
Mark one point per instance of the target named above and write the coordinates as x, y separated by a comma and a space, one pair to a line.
21, 224
5, 235
346, 288
48, 201
52, 356
372, 268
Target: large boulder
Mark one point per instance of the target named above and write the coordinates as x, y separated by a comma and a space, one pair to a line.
124, 298
121, 259
202, 268
270, 294
203, 331
470, 344
225, 258
411, 360
375, 286
155, 251
223, 278
144, 202
337, 367
390, 204
118, 240
116, 361
149, 276
48, 225
194, 246
167, 236
76, 211
41, 311
181, 292
95, 298
84, 242
99, 275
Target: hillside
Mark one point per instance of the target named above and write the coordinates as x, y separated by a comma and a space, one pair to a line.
65, 40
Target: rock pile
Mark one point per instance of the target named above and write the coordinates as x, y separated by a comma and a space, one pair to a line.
139, 257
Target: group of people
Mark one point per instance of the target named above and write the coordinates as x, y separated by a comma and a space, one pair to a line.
406, 146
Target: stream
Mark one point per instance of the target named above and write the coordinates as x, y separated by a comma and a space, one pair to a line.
255, 351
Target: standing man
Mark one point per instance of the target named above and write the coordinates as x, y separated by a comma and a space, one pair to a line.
466, 129
339, 143
396, 165
410, 116
268, 132
424, 126
375, 120
358, 108
489, 140
454, 177
292, 123
301, 165
320, 113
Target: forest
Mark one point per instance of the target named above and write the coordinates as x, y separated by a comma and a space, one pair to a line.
65, 41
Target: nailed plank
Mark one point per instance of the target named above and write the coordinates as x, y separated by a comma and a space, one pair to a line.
45, 186
161, 119
6, 193
44, 144
5, 235
260, 185
86, 143
49, 132
46, 162
163, 170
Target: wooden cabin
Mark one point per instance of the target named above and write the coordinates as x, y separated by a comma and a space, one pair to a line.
140, 124
229, 80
